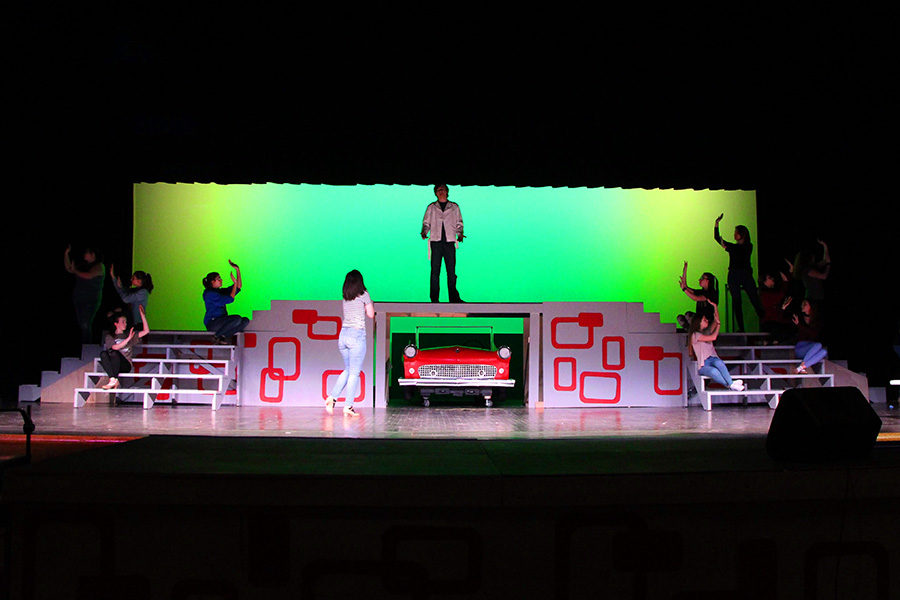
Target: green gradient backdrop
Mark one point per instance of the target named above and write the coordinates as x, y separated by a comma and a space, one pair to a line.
296, 242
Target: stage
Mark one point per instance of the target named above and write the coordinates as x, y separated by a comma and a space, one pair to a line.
406, 422
611, 487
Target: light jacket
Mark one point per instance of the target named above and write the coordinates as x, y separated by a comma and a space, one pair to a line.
450, 218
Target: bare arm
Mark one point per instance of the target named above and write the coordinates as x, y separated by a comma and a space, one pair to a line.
124, 342
236, 278
714, 331
67, 259
96, 271
824, 266
146, 328
716, 235
370, 310
692, 294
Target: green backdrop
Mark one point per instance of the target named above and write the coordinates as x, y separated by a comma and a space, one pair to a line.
296, 242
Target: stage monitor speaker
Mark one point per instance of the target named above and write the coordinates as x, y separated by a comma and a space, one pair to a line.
822, 424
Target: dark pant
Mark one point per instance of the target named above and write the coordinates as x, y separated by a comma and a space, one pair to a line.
736, 281
228, 325
447, 252
85, 311
113, 362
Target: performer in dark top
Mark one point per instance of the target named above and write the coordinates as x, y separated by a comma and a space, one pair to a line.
708, 291
89, 275
443, 221
215, 297
740, 270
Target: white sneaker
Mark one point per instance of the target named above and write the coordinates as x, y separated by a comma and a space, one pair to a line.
737, 385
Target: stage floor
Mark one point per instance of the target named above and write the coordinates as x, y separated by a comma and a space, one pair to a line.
406, 422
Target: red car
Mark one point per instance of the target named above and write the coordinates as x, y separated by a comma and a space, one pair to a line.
456, 370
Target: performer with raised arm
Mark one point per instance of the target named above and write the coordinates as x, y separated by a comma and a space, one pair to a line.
700, 338
89, 274
740, 270
138, 295
708, 290
443, 226
216, 298
118, 347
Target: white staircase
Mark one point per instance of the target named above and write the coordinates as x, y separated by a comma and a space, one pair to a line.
68, 366
171, 367
766, 370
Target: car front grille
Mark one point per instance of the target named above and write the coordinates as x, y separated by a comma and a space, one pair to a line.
458, 371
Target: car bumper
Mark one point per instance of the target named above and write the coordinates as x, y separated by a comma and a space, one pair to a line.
428, 382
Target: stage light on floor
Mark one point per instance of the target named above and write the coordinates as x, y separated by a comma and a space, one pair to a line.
822, 424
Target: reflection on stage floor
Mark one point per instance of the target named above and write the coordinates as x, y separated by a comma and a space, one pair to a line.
402, 422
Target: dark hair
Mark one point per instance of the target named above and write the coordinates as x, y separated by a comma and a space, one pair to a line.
713, 286
207, 281
353, 285
146, 280
81, 264
441, 185
745, 233
113, 316
693, 328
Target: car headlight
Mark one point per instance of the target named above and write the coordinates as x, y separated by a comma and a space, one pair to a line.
410, 351
504, 352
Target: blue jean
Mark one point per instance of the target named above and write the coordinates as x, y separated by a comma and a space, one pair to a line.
352, 345
715, 369
228, 325
811, 352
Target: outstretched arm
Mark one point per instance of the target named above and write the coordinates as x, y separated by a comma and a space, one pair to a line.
716, 235
824, 266
124, 342
67, 259
714, 330
236, 278
146, 328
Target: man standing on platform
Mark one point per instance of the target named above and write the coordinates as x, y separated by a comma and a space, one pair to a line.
443, 221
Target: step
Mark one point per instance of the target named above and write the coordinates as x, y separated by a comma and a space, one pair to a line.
48, 378
220, 362
769, 376
706, 397
82, 394
745, 347
724, 392
29, 392
155, 376
190, 346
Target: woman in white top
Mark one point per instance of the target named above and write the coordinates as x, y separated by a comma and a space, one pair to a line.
700, 341
352, 341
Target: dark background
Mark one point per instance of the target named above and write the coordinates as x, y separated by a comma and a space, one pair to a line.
796, 105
